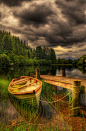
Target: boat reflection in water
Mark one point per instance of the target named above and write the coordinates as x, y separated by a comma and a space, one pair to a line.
32, 99
27, 105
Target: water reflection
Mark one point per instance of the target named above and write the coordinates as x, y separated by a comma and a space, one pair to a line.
7, 112
10, 73
14, 110
32, 99
47, 110
76, 73
66, 91
83, 99
60, 88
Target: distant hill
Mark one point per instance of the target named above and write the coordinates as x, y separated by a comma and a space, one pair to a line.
70, 58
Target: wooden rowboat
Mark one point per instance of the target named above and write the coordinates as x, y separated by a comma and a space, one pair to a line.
26, 87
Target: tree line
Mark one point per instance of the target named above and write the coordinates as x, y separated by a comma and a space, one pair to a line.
13, 50
80, 61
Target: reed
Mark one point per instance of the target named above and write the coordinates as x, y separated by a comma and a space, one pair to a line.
4, 89
49, 92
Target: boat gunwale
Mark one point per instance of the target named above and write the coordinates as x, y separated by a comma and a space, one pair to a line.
28, 92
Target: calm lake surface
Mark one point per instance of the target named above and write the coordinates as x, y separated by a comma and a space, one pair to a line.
11, 113
76, 72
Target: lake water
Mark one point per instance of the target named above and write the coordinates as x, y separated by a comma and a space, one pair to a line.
78, 72
11, 113
74, 72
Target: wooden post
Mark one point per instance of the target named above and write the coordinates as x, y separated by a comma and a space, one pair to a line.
31, 75
63, 71
38, 73
85, 90
49, 73
76, 97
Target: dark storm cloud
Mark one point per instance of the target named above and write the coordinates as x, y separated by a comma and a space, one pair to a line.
62, 55
45, 22
58, 34
66, 33
11, 3
35, 14
55, 40
73, 10
77, 16
66, 38
81, 1
77, 36
69, 51
83, 50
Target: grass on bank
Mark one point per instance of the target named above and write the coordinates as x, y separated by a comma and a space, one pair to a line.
4, 83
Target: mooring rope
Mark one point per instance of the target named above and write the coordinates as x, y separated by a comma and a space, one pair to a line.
56, 100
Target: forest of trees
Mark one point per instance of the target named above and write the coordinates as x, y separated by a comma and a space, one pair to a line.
64, 61
82, 60
13, 50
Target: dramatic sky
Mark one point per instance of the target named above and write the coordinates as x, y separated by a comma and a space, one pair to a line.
59, 24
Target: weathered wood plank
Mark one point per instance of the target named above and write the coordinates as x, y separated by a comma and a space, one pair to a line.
66, 82
58, 83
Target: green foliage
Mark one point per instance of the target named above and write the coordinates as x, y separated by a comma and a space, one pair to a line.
39, 52
4, 60
4, 83
70, 61
28, 54
11, 44
20, 54
75, 62
61, 61
82, 60
52, 55
22, 60
45, 53
16, 60
11, 56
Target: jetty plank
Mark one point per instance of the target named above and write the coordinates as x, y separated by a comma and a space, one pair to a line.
66, 82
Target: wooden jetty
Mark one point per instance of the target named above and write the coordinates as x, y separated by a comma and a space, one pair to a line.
66, 82
62, 81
